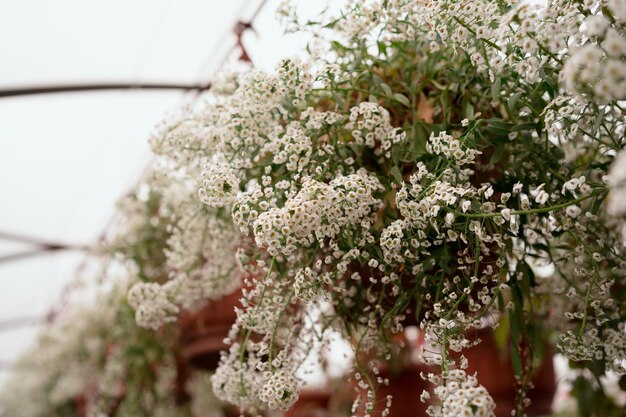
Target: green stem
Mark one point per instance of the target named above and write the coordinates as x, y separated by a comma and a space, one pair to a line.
282, 310
531, 211
586, 309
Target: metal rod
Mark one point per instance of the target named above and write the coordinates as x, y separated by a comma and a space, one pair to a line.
73, 88
20, 322
30, 240
12, 257
41, 247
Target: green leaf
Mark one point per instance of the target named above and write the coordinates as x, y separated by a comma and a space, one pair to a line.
550, 86
338, 46
514, 325
516, 360
596, 125
382, 48
496, 87
468, 110
498, 127
501, 333
419, 139
375, 77
402, 99
332, 24
524, 126
512, 102
397, 175
497, 154
386, 89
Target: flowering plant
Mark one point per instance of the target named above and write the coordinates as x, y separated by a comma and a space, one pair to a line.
454, 164
95, 361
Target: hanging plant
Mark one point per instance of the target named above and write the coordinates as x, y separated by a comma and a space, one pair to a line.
449, 164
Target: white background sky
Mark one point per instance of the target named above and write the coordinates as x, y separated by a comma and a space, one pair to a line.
65, 159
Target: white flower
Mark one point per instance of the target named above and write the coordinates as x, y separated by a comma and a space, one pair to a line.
572, 211
463, 396
219, 185
614, 44
618, 9
596, 25
280, 389
151, 304
617, 183
571, 185
201, 254
370, 126
236, 381
541, 197
450, 147
319, 211
289, 146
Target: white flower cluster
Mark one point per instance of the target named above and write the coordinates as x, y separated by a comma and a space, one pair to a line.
617, 183
203, 401
567, 110
152, 304
186, 248
237, 381
219, 185
451, 148
80, 365
289, 146
296, 76
306, 285
370, 126
462, 395
315, 120
263, 317
61, 366
590, 308
317, 212
598, 62
201, 255
280, 389
615, 348
247, 208
182, 135
263, 92
244, 384
591, 46
422, 202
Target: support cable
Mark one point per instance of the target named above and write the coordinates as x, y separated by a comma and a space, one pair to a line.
40, 247
74, 88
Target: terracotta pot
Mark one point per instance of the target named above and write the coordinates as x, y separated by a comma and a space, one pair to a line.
495, 372
311, 403
202, 331
80, 405
183, 374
